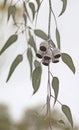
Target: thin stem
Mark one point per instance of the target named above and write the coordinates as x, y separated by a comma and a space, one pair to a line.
54, 16
57, 100
49, 22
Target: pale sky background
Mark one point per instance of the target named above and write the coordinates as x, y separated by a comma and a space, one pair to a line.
17, 93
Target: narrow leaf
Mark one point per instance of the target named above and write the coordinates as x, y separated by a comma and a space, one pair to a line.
32, 43
4, 4
25, 18
68, 61
61, 122
32, 7
9, 42
25, 9
36, 63
38, 3
66, 110
55, 86
58, 38
41, 34
63, 7
11, 12
30, 59
15, 63
36, 78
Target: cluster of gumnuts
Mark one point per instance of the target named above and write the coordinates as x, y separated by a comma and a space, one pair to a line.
47, 53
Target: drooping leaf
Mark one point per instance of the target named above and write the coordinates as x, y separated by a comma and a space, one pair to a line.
68, 61
15, 63
32, 7
38, 3
41, 34
36, 63
55, 86
66, 110
4, 3
30, 59
32, 43
25, 9
11, 12
58, 38
9, 42
36, 78
61, 122
25, 18
63, 7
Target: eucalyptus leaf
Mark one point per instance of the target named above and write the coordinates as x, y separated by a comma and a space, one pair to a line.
36, 63
68, 61
15, 63
41, 34
36, 78
63, 7
11, 12
25, 18
38, 3
58, 38
32, 7
25, 9
55, 86
4, 3
32, 43
66, 110
30, 59
61, 122
9, 42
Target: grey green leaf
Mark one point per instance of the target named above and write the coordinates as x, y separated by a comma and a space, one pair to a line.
32, 43
32, 7
30, 59
36, 63
4, 3
55, 86
9, 42
11, 12
63, 7
36, 78
41, 34
15, 63
25, 18
66, 110
38, 3
61, 122
68, 61
58, 38
25, 9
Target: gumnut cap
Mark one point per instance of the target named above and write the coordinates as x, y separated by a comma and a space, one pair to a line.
44, 46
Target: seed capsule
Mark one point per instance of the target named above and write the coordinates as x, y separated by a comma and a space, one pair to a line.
40, 54
48, 54
56, 53
44, 46
45, 61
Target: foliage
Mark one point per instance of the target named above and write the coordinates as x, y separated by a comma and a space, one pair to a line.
49, 52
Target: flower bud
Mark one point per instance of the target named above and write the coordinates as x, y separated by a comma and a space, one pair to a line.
45, 61
40, 54
55, 60
48, 54
56, 53
44, 46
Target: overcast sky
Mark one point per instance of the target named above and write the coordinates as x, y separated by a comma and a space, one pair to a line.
17, 93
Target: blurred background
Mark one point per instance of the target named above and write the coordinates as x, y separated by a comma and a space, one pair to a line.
19, 110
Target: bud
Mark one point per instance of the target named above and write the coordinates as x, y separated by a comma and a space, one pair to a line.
56, 53
44, 46
40, 54
45, 61
55, 60
48, 54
